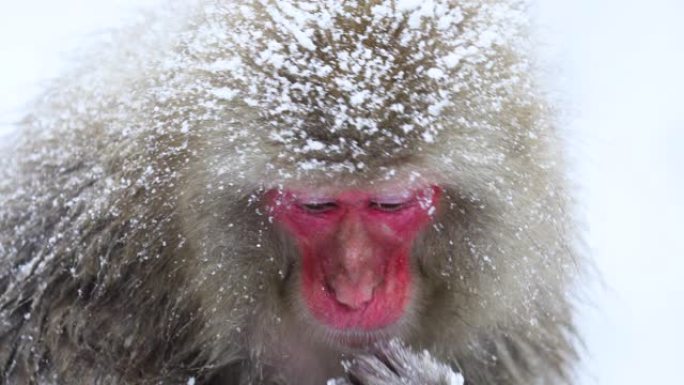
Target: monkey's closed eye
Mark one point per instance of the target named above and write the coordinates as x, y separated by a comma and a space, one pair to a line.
388, 206
318, 207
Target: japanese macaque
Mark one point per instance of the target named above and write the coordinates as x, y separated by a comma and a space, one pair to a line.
292, 192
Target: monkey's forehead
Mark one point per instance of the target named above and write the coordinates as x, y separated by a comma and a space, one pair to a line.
403, 186
351, 85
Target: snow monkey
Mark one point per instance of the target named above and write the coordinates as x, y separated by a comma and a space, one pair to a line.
292, 192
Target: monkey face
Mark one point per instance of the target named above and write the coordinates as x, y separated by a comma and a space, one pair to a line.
355, 248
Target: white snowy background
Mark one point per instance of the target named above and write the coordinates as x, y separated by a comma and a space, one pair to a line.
618, 65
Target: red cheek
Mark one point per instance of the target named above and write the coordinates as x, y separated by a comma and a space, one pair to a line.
356, 270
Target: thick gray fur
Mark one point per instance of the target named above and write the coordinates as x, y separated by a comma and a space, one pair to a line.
134, 248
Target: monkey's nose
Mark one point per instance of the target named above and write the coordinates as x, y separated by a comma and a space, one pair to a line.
355, 293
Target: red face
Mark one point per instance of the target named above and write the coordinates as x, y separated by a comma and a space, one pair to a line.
355, 248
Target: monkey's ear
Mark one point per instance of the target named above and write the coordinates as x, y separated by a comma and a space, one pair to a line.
395, 364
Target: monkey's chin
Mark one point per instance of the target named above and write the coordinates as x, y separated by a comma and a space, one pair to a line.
359, 340
348, 341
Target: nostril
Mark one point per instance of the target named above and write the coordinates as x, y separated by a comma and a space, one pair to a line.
353, 298
354, 294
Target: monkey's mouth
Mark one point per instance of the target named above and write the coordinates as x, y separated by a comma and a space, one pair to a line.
366, 303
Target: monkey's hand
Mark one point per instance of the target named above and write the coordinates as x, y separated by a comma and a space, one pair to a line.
395, 364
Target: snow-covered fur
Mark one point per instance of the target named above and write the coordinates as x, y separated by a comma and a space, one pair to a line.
133, 246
